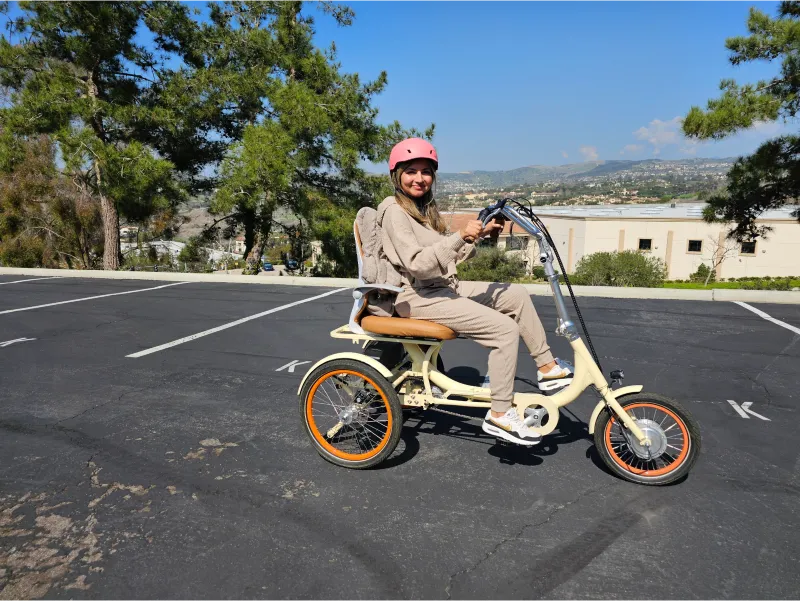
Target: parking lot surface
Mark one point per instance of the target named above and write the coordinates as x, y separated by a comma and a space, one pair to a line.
185, 473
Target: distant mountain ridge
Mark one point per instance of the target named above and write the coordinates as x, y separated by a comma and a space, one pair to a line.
534, 174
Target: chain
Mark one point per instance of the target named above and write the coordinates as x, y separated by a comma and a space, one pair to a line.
454, 414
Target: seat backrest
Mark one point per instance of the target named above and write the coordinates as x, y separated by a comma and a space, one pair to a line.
359, 251
360, 303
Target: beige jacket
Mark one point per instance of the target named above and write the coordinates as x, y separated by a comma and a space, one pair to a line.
424, 257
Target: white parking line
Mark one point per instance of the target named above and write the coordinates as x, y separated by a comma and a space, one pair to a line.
769, 317
55, 277
167, 345
86, 298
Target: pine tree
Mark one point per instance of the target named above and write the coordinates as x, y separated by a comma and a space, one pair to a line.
77, 74
770, 177
308, 130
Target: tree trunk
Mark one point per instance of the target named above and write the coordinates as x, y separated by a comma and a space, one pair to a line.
111, 249
253, 260
249, 222
110, 228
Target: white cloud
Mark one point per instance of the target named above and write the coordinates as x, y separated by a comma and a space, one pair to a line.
661, 133
632, 149
589, 152
564, 154
769, 128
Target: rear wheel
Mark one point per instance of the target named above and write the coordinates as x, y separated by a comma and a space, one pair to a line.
674, 435
351, 413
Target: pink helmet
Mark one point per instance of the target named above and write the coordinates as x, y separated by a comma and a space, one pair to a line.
410, 149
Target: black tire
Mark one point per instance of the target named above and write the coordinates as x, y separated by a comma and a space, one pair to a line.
388, 437
618, 456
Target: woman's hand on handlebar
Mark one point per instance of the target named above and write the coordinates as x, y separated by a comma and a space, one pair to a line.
493, 228
471, 231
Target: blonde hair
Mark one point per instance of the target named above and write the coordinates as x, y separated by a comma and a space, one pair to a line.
423, 210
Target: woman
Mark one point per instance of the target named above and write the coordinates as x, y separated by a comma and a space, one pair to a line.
416, 242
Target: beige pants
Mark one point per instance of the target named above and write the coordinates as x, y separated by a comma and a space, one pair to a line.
494, 315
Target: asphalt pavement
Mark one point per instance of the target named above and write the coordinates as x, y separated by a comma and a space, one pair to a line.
185, 472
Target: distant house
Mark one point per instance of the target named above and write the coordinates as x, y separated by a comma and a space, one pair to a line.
128, 232
238, 245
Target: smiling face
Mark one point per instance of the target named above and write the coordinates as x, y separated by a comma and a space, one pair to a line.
417, 178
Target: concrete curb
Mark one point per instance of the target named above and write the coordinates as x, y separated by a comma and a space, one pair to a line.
180, 277
717, 294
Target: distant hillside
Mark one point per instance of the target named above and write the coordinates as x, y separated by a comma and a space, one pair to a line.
535, 174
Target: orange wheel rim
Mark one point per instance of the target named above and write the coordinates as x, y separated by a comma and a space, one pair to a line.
672, 466
319, 435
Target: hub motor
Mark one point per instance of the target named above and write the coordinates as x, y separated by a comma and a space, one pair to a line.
658, 440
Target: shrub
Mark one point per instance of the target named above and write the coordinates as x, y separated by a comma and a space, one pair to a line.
194, 256
767, 284
492, 265
538, 272
626, 268
22, 252
702, 273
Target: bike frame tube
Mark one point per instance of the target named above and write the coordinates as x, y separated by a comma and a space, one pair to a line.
565, 326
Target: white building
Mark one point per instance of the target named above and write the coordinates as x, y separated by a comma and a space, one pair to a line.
676, 234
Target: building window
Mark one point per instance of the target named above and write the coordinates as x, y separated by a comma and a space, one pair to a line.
748, 248
695, 246
517, 243
645, 243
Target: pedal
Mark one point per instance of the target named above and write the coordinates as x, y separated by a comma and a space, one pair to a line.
534, 417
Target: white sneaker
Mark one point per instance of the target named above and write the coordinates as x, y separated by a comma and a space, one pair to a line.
558, 377
509, 427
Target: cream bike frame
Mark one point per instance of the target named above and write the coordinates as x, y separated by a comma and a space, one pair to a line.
438, 389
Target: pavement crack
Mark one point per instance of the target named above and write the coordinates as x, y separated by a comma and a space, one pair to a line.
496, 548
101, 405
115, 400
755, 382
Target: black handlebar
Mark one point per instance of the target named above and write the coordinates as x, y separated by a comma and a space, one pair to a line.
485, 212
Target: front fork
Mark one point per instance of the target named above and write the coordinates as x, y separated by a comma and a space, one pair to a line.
584, 364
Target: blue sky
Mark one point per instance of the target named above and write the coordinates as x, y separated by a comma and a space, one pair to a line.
510, 84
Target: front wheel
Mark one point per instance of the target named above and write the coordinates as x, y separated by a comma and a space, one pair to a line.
674, 435
351, 413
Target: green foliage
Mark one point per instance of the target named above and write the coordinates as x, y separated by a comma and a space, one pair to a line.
703, 272
768, 284
538, 272
767, 179
310, 128
45, 220
77, 74
492, 265
245, 91
771, 176
193, 252
626, 268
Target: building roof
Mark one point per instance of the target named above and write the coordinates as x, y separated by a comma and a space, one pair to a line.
646, 211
